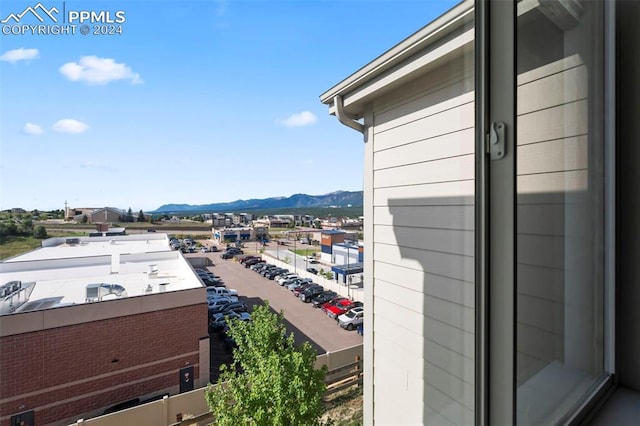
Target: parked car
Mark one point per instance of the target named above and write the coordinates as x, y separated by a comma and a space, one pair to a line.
310, 293
210, 280
222, 291
313, 271
282, 273
214, 299
255, 266
237, 307
209, 276
214, 303
275, 272
290, 280
282, 278
323, 298
312, 259
338, 299
266, 269
219, 321
298, 291
339, 308
297, 283
251, 262
352, 318
228, 307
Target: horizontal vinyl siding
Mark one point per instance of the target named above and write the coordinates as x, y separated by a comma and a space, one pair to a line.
423, 248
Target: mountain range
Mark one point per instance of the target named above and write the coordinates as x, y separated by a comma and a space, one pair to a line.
337, 198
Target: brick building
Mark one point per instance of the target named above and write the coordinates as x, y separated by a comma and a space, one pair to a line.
88, 324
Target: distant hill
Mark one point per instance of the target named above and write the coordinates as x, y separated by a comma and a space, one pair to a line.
338, 199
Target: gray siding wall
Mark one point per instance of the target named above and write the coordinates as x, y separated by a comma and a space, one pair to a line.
423, 248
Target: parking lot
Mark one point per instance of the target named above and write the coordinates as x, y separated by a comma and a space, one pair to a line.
306, 322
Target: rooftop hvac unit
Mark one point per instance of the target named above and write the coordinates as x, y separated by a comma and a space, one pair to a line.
96, 292
14, 294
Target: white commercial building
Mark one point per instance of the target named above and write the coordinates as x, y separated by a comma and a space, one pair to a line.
92, 323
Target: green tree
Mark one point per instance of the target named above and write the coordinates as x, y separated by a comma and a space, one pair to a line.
26, 227
129, 216
8, 229
40, 232
271, 381
141, 217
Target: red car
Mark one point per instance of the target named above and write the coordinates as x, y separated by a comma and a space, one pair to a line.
337, 307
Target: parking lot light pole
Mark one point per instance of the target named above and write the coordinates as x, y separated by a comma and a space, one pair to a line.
347, 271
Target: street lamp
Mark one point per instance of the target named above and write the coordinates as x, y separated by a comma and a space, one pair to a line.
347, 271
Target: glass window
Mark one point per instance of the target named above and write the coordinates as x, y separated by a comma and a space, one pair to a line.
560, 207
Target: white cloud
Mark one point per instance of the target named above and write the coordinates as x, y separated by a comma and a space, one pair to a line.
21, 54
94, 70
69, 125
32, 129
300, 119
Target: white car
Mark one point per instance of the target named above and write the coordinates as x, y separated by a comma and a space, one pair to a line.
284, 278
213, 303
222, 291
352, 318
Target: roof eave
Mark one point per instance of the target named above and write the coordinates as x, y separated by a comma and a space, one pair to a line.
453, 20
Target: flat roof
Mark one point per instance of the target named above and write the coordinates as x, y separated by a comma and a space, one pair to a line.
65, 248
333, 231
348, 269
141, 264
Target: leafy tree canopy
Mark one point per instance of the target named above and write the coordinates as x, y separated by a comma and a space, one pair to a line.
271, 381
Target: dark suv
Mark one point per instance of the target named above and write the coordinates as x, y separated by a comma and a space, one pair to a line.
310, 293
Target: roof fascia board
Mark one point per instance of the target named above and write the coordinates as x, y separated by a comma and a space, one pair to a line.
450, 21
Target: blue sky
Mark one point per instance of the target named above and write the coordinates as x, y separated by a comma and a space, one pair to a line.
195, 102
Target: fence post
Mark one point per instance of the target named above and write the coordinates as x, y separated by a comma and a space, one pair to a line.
165, 409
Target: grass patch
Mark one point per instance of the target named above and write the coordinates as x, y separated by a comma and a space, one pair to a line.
13, 246
344, 408
306, 252
17, 245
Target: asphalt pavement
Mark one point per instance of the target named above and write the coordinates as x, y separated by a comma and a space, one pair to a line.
306, 322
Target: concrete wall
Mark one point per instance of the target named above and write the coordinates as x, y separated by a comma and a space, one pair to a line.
192, 404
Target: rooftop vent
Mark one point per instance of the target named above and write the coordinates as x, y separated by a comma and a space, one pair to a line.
153, 269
